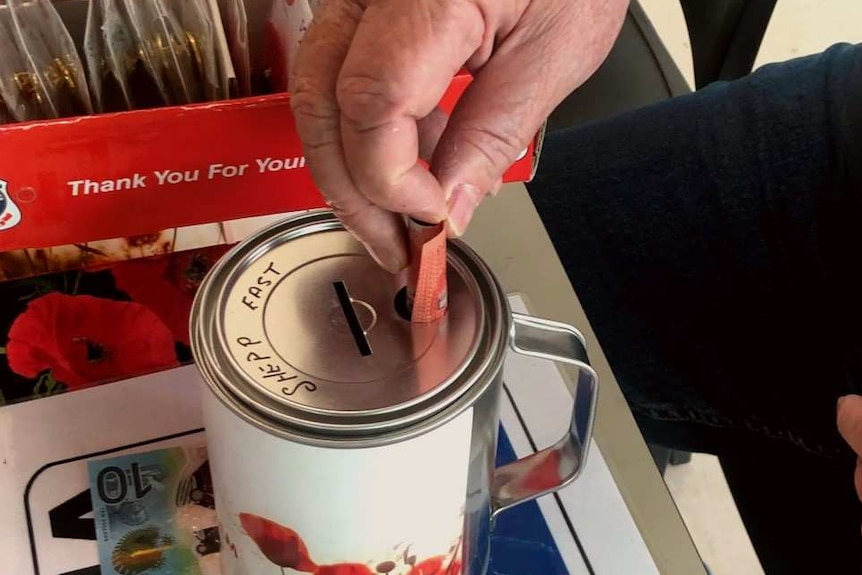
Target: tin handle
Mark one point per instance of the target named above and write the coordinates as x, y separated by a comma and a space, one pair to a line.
551, 469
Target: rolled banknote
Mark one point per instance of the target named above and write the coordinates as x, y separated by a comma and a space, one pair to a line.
427, 288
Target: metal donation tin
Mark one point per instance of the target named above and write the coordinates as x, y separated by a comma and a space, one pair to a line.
346, 440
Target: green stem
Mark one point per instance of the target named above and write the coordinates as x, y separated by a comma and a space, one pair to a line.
37, 388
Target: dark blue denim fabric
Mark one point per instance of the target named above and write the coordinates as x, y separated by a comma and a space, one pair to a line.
715, 241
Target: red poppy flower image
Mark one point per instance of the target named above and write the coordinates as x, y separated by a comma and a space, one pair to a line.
286, 549
345, 569
437, 566
168, 284
85, 340
279, 544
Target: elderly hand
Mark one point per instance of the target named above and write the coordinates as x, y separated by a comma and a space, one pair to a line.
370, 73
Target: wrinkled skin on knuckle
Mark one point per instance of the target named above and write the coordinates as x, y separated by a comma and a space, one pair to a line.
499, 145
312, 105
353, 212
377, 187
315, 114
342, 212
596, 44
383, 192
500, 18
368, 102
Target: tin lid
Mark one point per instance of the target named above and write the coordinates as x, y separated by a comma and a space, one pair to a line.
300, 325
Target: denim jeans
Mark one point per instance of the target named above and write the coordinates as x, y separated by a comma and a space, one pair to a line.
715, 241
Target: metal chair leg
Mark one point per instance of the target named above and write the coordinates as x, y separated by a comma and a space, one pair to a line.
725, 36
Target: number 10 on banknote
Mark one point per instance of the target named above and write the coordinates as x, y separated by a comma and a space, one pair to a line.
154, 512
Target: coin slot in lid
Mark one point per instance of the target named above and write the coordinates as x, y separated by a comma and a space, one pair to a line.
356, 329
402, 305
310, 326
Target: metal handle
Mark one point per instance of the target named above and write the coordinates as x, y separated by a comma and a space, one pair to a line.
551, 469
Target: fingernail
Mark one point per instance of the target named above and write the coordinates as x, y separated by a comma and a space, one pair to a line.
840, 399
462, 204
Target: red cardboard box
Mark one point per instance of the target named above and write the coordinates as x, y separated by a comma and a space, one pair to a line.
80, 196
86, 192
67, 185
133, 173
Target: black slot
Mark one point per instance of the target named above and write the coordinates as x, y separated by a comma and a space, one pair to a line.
352, 319
403, 305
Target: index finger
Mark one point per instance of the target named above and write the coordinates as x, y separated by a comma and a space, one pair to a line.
403, 58
317, 116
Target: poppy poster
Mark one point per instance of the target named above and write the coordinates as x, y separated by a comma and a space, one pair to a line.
76, 329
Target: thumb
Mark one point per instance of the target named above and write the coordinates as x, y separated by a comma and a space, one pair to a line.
492, 124
532, 70
849, 418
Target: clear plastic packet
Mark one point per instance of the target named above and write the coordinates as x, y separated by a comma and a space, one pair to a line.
130, 61
299, 17
67, 61
235, 18
175, 51
197, 23
108, 86
276, 52
52, 60
31, 81
123, 59
94, 53
8, 53
17, 93
5, 115
288, 22
121, 76
224, 62
142, 19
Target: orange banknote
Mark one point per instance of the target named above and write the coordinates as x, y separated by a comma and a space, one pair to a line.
427, 290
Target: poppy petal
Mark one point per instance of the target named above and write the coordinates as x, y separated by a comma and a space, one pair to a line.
281, 545
85, 340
